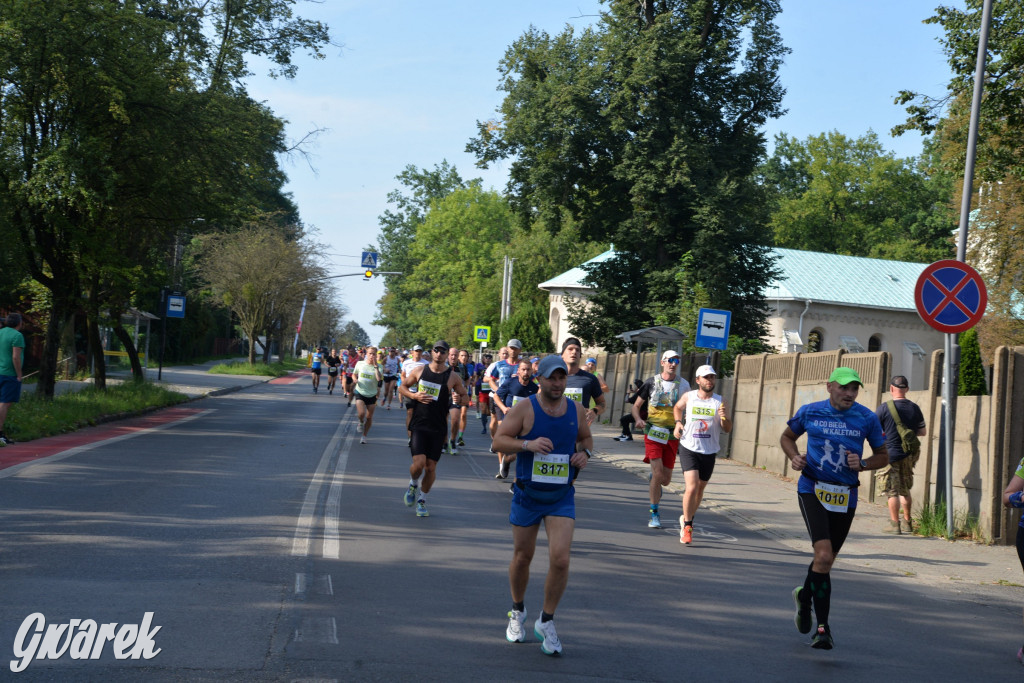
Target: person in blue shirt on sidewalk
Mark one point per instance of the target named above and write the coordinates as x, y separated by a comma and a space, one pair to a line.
827, 490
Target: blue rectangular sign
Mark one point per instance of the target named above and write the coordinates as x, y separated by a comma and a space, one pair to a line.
175, 306
713, 329
369, 259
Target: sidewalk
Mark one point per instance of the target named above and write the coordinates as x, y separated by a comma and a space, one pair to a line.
192, 380
766, 503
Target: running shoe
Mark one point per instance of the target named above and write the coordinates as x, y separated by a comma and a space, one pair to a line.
622, 437
453, 449
803, 612
362, 439
545, 630
448, 448
822, 639
5, 440
686, 537
515, 633
421, 509
512, 488
655, 522
330, 391
359, 427
505, 464
461, 441
410, 496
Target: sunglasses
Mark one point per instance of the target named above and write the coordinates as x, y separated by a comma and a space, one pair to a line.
440, 349
673, 361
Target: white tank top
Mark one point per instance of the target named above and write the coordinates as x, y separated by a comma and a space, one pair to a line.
701, 427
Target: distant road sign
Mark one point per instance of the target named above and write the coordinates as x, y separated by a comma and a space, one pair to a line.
175, 306
713, 329
369, 259
481, 333
950, 296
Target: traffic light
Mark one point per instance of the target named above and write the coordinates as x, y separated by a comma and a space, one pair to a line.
368, 274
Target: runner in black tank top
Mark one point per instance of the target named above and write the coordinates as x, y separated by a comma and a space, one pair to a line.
430, 389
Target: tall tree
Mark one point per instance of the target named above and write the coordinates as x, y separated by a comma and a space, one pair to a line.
994, 237
646, 132
840, 195
398, 228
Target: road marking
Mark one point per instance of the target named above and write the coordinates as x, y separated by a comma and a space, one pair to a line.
62, 455
304, 526
322, 584
332, 512
317, 630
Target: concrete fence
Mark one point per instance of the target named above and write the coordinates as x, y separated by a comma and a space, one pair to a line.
766, 390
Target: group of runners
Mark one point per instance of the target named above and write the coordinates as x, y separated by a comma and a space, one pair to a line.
538, 414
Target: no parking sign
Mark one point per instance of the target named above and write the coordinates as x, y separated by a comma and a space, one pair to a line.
950, 296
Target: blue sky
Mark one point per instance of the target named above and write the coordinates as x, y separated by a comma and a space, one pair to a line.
411, 79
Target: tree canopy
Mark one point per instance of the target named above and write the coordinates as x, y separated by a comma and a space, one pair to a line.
645, 132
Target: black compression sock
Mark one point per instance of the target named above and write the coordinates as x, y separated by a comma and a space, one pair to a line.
544, 617
519, 606
819, 586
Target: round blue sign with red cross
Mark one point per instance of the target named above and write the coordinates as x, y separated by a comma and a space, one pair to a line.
950, 296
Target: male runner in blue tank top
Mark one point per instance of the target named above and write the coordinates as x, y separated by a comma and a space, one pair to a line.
553, 440
827, 491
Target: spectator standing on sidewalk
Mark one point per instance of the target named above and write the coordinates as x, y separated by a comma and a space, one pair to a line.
827, 490
659, 395
897, 478
627, 421
700, 419
12, 350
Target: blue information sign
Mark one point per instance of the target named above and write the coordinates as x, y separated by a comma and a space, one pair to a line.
713, 329
369, 259
175, 306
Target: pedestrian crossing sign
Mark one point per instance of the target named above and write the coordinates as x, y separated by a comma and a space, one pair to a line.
481, 334
369, 259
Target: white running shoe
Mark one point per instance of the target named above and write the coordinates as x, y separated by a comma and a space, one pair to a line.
515, 633
362, 439
545, 630
359, 428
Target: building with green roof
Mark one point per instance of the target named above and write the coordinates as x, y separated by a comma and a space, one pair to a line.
819, 302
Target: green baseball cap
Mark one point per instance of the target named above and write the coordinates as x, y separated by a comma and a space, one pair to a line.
844, 376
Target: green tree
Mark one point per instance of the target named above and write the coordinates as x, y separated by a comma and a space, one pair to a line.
646, 132
458, 251
834, 194
257, 271
972, 370
398, 228
109, 143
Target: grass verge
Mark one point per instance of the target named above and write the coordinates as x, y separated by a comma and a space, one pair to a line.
932, 522
262, 369
34, 417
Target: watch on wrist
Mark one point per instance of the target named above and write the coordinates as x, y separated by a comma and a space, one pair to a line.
525, 443
863, 465
589, 454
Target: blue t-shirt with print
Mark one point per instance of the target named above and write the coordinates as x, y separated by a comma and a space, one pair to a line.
831, 435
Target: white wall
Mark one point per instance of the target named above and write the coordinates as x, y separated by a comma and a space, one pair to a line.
893, 328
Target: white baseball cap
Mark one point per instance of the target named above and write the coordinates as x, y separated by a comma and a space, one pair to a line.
704, 371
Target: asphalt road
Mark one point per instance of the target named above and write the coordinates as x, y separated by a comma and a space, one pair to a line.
270, 545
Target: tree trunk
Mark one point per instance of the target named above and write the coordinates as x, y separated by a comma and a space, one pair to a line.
99, 361
51, 349
129, 346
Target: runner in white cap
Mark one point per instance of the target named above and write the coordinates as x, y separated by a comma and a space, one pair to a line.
700, 418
